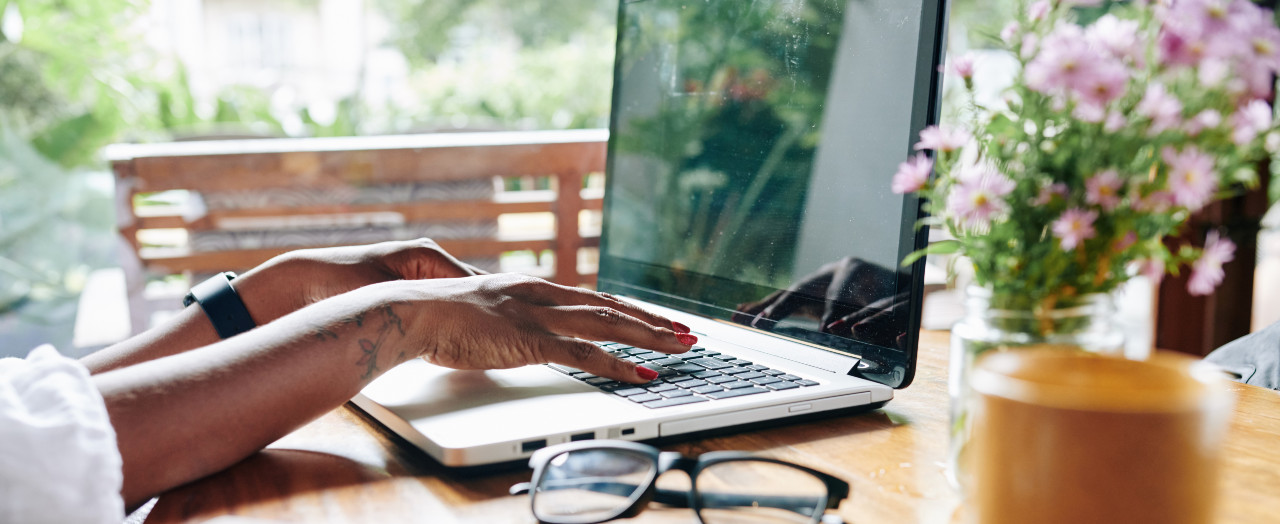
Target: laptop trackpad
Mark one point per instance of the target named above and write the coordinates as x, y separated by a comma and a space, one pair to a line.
453, 407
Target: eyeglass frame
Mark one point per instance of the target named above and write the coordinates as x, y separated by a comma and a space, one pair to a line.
836, 490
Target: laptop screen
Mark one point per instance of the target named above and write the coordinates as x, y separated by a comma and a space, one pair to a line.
751, 151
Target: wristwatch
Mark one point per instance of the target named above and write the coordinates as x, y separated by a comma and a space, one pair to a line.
221, 304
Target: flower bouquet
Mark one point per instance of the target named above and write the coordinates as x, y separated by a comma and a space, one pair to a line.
1111, 136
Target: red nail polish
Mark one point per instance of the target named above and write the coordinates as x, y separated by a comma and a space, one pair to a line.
687, 339
646, 373
835, 325
679, 328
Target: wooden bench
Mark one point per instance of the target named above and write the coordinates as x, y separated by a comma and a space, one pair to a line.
246, 201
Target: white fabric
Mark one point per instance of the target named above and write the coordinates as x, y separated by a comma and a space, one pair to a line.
58, 456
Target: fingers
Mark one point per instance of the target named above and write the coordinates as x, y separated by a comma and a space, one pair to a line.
606, 323
557, 295
588, 357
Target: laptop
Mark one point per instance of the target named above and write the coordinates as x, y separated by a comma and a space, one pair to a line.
751, 149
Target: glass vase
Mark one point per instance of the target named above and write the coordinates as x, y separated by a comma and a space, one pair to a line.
1081, 323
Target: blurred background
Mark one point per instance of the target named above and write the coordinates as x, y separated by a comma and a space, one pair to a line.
77, 76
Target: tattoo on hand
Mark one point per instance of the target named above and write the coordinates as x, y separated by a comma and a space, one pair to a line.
371, 348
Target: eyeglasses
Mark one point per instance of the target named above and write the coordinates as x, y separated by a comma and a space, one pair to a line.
596, 481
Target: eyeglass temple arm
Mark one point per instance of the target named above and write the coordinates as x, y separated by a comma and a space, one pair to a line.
680, 498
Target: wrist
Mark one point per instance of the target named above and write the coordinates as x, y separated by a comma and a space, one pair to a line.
272, 289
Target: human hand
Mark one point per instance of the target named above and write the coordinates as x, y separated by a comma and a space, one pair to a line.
298, 278
849, 297
510, 320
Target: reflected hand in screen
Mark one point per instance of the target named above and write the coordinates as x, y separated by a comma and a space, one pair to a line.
849, 297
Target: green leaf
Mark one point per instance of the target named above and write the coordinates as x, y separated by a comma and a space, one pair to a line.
942, 247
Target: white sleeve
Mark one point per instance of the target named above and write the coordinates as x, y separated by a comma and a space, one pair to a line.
58, 456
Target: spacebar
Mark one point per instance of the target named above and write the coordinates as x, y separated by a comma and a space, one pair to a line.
736, 392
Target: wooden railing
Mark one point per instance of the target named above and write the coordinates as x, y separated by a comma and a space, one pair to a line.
338, 166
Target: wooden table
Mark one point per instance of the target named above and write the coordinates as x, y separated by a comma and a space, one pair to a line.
346, 468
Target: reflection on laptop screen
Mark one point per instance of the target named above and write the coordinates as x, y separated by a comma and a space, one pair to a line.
751, 153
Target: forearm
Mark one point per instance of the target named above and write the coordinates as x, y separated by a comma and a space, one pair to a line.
264, 293
188, 415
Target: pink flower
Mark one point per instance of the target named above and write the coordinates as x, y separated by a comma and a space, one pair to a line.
912, 174
1206, 272
1207, 119
1009, 35
942, 138
1103, 82
1158, 201
1164, 110
978, 198
1074, 227
1047, 194
961, 66
1103, 189
1125, 242
1030, 44
1152, 269
1039, 10
1118, 37
1250, 121
1115, 122
1192, 178
1063, 62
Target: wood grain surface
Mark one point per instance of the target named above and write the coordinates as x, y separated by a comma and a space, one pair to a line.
345, 468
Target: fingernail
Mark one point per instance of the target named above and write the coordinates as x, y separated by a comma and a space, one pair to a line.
679, 328
646, 373
835, 325
687, 339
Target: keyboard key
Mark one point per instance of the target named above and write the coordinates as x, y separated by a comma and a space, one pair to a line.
737, 384
663, 371
707, 389
614, 386
687, 368
564, 369
645, 397
735, 370
597, 381
707, 373
667, 402
669, 361
697, 349
766, 380
653, 356
806, 383
634, 360
582, 375
660, 388
710, 363
728, 393
676, 393
789, 377
772, 372
692, 383
688, 356
740, 362
680, 378
757, 367
626, 392
782, 384
710, 354
720, 378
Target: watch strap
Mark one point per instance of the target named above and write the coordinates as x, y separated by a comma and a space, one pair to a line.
222, 305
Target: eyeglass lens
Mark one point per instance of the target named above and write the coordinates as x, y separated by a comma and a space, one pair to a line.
590, 485
758, 492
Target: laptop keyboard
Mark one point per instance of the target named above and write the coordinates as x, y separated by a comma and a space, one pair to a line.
699, 375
